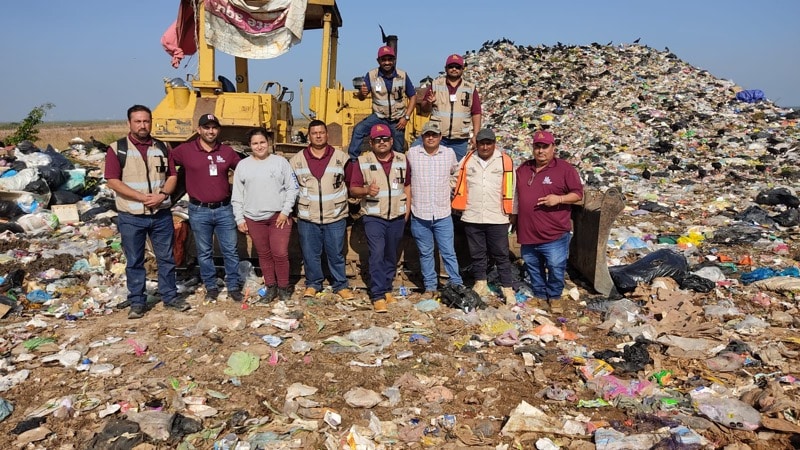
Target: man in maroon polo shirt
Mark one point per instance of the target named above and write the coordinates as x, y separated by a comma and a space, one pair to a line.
546, 188
207, 163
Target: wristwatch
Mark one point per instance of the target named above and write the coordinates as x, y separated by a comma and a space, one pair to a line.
407, 117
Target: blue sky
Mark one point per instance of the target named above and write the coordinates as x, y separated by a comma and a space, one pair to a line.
94, 58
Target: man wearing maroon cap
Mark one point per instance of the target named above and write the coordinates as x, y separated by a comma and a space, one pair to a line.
455, 105
382, 183
546, 188
389, 87
207, 163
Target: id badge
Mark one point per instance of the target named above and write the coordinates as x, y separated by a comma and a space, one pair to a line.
304, 192
453, 98
212, 170
394, 184
378, 88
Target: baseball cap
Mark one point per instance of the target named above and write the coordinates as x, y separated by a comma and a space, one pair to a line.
485, 135
385, 51
205, 119
431, 127
379, 130
454, 59
543, 137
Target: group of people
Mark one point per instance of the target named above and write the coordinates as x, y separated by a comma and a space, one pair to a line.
450, 167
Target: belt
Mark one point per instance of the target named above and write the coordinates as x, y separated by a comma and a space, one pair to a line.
211, 205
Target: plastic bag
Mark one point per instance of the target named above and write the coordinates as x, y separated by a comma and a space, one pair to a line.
53, 176
38, 222
661, 263
460, 297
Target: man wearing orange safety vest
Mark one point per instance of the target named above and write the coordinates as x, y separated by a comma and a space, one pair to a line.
484, 191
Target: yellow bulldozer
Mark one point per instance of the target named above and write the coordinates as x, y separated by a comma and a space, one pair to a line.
239, 108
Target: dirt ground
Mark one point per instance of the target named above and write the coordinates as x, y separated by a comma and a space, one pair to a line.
177, 361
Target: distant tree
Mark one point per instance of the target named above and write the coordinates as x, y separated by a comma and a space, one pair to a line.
28, 130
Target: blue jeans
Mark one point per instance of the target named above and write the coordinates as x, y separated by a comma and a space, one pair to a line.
314, 238
546, 264
134, 230
207, 223
459, 146
425, 232
383, 240
362, 129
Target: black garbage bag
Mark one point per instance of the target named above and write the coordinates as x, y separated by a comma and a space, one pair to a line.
64, 198
27, 147
89, 188
118, 434
37, 187
12, 227
697, 283
9, 210
736, 234
661, 263
86, 216
53, 176
460, 297
13, 280
58, 160
777, 196
18, 166
632, 358
754, 214
653, 207
788, 218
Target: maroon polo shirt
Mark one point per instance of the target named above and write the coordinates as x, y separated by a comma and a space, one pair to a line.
200, 184
539, 224
113, 171
317, 166
354, 176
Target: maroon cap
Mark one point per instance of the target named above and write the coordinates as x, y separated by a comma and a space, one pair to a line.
454, 59
379, 130
543, 137
386, 51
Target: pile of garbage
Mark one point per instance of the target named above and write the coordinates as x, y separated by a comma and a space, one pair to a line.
698, 350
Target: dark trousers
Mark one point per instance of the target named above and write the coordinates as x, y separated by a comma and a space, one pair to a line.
383, 240
488, 240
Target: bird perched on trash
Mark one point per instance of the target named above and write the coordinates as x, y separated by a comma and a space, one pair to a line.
636, 41
97, 144
702, 173
646, 174
716, 165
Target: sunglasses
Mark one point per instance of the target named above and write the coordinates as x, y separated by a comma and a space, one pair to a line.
381, 139
455, 66
430, 135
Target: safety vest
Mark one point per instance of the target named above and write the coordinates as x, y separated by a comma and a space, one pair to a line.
147, 177
385, 104
391, 200
321, 201
459, 202
454, 117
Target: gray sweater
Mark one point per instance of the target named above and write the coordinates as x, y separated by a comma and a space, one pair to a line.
262, 188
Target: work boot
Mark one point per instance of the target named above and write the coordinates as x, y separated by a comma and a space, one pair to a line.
269, 294
211, 295
380, 306
236, 295
346, 294
556, 306
509, 296
136, 311
481, 288
310, 292
430, 295
389, 298
285, 293
178, 304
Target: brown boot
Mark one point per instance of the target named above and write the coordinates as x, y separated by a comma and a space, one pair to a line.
481, 288
509, 296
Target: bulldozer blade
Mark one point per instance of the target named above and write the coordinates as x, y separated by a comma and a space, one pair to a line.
591, 225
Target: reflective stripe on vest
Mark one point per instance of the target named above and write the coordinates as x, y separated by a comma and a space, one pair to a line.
459, 202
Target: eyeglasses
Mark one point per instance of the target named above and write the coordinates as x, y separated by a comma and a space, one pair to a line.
381, 139
455, 66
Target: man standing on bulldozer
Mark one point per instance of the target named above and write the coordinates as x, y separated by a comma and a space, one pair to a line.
388, 87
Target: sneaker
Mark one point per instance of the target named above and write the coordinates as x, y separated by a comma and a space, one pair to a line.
136, 312
212, 294
285, 293
310, 292
380, 306
236, 295
269, 295
178, 304
389, 298
346, 294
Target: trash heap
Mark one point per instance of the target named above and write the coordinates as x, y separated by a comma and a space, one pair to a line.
697, 349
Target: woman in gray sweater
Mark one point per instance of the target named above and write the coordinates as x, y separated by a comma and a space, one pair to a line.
264, 192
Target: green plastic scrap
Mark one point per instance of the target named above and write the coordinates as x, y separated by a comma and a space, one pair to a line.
34, 343
596, 403
344, 342
241, 364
